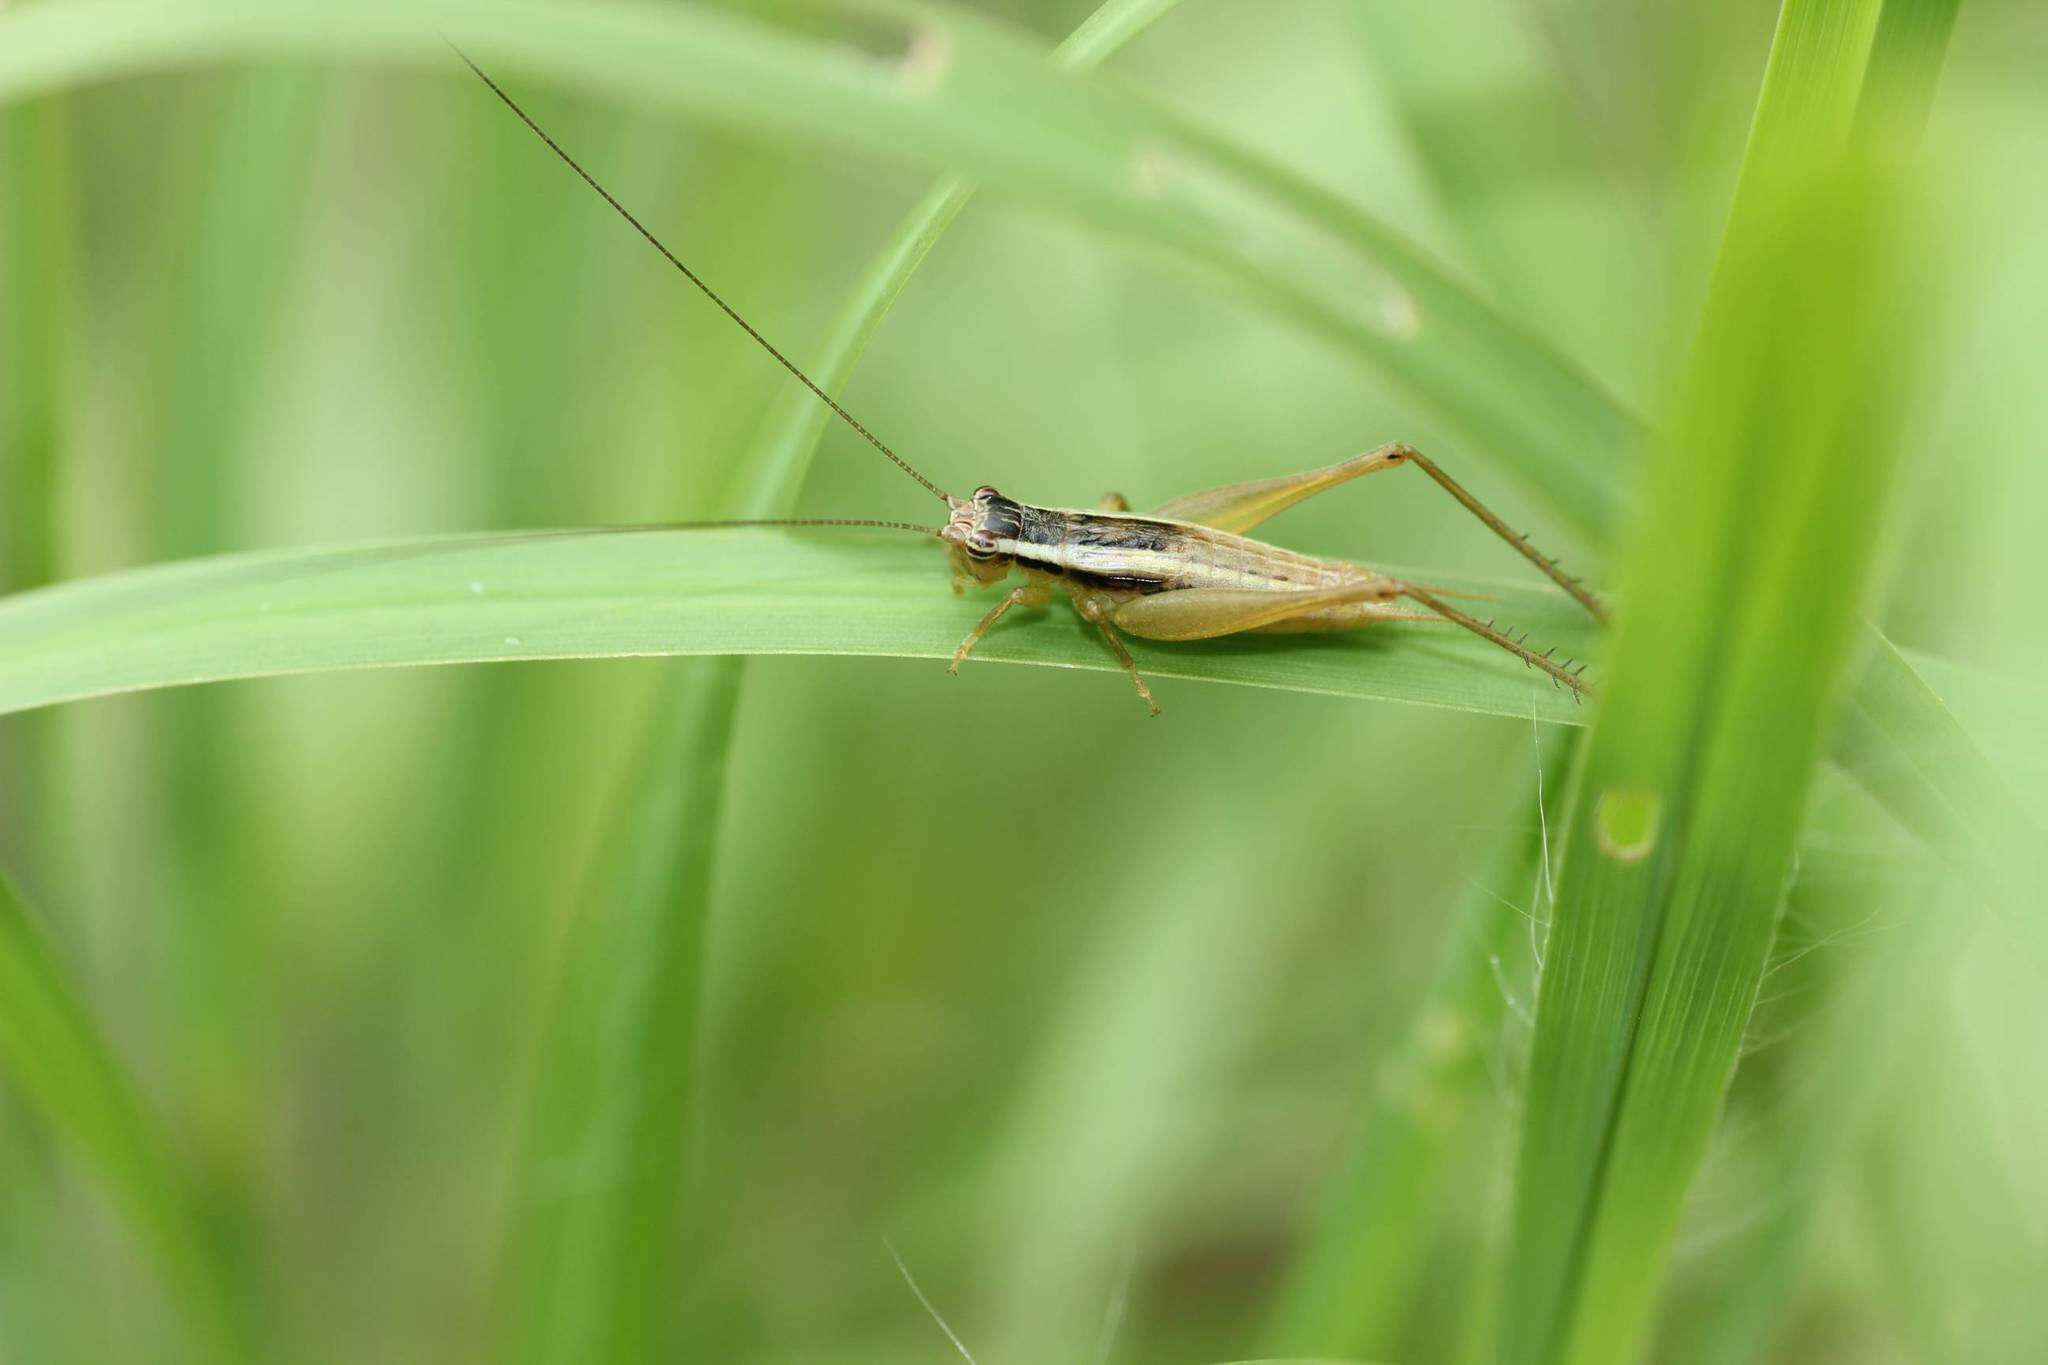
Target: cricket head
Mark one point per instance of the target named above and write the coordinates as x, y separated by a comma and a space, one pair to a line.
977, 531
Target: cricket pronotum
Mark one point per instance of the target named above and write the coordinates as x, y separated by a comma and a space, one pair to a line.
1184, 571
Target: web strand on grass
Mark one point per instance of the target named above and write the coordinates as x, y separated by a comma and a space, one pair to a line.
911, 1280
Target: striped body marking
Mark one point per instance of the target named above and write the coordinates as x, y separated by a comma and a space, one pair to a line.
1121, 554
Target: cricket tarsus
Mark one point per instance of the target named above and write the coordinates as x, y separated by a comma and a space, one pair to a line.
692, 276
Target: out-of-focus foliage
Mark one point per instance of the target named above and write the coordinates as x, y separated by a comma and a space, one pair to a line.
1092, 1017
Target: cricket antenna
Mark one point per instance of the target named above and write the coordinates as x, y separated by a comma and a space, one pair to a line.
706, 289
748, 523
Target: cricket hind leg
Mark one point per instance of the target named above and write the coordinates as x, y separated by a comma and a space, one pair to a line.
1550, 568
1239, 507
1351, 616
1204, 613
1561, 672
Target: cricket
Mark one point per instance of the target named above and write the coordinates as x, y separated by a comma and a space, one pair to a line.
1186, 570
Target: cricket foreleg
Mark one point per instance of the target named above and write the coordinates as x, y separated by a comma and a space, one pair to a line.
1095, 609
1033, 594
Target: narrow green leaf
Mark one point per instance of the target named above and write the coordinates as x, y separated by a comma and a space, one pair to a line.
1524, 182
599, 1192
1905, 65
1743, 595
54, 1056
600, 595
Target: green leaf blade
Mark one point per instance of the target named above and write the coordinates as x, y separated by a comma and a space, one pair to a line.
1748, 577
630, 594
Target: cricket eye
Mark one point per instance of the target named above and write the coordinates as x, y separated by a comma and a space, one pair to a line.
984, 493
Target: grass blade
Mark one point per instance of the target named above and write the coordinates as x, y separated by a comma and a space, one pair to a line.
55, 1057
475, 599
599, 1191
1743, 603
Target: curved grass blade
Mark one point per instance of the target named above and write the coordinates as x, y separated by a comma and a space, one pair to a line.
54, 1056
941, 85
602, 595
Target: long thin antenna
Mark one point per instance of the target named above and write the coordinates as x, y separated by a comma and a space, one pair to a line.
646, 527
746, 522
706, 289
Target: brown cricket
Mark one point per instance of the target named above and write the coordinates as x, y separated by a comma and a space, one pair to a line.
1185, 571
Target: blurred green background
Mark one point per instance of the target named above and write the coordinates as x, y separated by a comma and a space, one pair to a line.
1081, 1013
